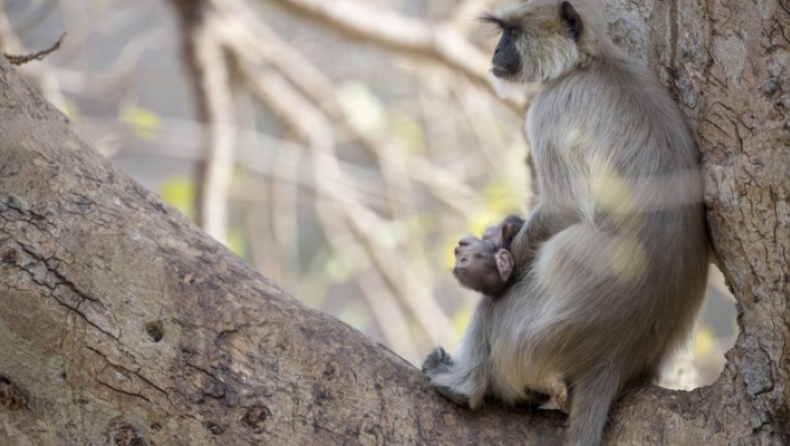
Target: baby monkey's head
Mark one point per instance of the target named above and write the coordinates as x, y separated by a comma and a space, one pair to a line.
486, 265
542, 40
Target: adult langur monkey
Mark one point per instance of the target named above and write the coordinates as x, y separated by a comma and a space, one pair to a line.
612, 262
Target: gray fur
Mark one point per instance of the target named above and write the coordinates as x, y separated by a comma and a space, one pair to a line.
614, 256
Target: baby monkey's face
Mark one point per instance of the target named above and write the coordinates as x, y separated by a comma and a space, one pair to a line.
482, 266
486, 265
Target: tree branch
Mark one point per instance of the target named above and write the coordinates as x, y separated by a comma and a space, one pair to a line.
209, 346
434, 42
119, 319
38, 55
209, 71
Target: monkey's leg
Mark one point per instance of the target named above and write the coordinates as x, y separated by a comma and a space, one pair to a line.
647, 377
592, 397
465, 379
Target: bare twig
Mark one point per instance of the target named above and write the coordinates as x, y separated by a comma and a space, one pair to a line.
438, 42
312, 126
363, 221
206, 59
303, 97
40, 73
39, 55
266, 45
404, 279
394, 31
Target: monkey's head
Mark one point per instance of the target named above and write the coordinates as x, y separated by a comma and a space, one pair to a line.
542, 40
482, 266
486, 265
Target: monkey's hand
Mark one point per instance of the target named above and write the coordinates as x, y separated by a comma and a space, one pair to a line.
438, 366
500, 235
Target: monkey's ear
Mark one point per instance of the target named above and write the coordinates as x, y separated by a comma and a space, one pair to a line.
572, 20
504, 264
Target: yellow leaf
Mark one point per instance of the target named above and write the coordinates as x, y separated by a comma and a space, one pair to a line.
236, 242
69, 108
143, 123
180, 193
704, 342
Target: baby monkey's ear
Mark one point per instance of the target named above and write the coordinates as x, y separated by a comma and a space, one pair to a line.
572, 20
504, 264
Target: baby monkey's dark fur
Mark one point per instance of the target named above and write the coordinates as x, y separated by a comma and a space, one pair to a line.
486, 265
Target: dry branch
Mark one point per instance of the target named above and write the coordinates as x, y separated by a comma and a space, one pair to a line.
118, 317
210, 75
390, 30
440, 42
120, 320
246, 34
38, 55
313, 127
236, 27
43, 76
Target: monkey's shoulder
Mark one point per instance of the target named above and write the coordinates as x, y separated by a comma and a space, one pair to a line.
607, 90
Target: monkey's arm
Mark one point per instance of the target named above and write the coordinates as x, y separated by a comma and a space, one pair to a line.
545, 220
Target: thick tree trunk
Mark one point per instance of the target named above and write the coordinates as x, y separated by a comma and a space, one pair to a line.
728, 63
121, 323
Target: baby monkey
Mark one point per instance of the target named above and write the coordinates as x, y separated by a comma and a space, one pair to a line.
486, 265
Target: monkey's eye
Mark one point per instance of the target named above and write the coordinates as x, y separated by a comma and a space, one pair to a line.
501, 24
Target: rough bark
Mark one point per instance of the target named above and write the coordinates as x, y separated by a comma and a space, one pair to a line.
121, 323
727, 62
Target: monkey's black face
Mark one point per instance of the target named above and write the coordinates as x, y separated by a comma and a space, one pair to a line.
506, 61
540, 41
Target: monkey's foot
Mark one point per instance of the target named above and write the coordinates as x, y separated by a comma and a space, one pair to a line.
560, 394
438, 367
452, 395
437, 361
532, 399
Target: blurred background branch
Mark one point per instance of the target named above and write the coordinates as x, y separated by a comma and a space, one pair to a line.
342, 147
205, 60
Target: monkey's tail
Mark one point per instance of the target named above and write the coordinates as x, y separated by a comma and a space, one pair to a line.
591, 399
